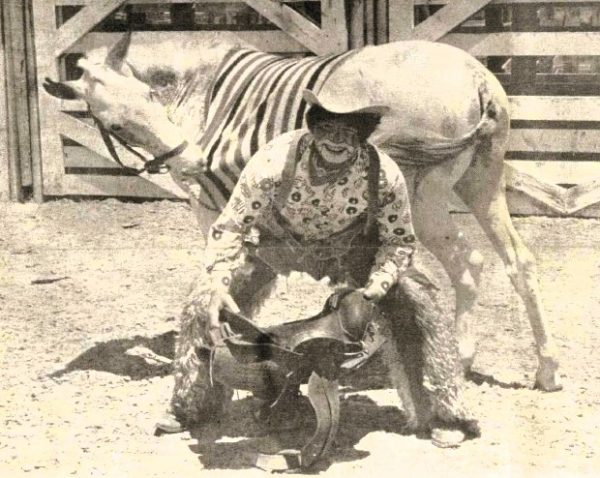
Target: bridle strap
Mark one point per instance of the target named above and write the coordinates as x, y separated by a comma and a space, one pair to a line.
153, 166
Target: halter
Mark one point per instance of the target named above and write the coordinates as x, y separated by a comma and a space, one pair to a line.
153, 166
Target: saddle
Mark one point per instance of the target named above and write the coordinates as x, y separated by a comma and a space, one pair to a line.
317, 351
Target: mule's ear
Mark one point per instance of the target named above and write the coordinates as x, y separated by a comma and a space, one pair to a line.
65, 90
118, 52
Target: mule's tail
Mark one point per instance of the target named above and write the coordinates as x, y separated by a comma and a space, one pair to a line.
431, 149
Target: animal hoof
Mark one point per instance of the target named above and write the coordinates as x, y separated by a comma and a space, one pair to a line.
545, 377
447, 438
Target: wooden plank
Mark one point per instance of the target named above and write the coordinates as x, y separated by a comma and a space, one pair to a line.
556, 140
4, 149
15, 35
88, 136
369, 23
555, 108
356, 35
34, 125
83, 22
381, 7
269, 41
401, 19
119, 186
298, 27
333, 20
549, 195
583, 196
448, 18
526, 43
47, 66
559, 172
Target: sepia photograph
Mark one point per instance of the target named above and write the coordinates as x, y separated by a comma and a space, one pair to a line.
240, 238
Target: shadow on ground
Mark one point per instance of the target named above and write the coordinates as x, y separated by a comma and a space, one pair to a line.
138, 357
235, 440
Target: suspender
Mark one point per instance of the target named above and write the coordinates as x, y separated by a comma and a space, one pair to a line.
289, 172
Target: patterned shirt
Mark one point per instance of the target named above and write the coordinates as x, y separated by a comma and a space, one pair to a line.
314, 209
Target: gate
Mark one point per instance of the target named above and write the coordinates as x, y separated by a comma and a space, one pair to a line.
74, 157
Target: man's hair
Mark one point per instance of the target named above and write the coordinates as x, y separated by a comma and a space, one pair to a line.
364, 123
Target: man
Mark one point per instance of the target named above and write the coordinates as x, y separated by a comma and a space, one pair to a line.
327, 203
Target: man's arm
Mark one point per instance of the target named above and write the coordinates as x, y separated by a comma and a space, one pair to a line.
396, 232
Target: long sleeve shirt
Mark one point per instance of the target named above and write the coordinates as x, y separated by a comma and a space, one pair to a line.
314, 209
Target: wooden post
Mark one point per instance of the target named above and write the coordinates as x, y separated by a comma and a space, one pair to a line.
370, 22
356, 35
5, 193
401, 19
34, 117
493, 23
523, 68
16, 193
381, 14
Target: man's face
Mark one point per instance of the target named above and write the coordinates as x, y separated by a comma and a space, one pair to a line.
335, 140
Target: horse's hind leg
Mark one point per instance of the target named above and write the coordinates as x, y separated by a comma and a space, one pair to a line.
482, 188
440, 235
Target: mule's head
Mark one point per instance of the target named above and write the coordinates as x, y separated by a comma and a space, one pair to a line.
124, 104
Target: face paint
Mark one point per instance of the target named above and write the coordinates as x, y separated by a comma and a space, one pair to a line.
335, 141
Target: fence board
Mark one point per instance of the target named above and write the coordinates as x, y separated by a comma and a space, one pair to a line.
555, 140
270, 41
401, 19
449, 17
526, 43
559, 172
83, 22
555, 108
116, 186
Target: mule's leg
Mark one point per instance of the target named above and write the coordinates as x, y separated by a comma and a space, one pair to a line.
483, 189
440, 235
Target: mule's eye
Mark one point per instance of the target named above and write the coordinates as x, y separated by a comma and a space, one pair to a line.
115, 127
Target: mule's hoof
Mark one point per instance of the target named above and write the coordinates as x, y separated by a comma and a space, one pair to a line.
547, 386
545, 377
447, 437
168, 424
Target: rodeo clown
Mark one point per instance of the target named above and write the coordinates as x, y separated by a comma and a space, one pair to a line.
323, 201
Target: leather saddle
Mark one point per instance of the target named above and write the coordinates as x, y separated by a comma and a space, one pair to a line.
341, 338
317, 350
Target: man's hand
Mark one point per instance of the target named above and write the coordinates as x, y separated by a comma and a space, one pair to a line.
218, 301
373, 292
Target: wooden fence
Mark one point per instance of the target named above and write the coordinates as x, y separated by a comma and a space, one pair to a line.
545, 53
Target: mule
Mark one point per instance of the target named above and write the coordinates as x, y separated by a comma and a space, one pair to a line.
436, 94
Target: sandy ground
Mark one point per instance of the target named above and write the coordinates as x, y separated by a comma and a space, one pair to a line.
84, 286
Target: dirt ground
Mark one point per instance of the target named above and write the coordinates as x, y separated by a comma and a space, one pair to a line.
85, 286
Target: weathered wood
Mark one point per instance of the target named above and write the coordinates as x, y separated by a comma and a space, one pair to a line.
555, 108
47, 66
357, 24
559, 172
401, 19
269, 41
83, 22
583, 196
526, 43
294, 24
333, 20
34, 125
449, 17
381, 11
557, 140
18, 89
549, 195
119, 186
369, 23
11, 109
4, 149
